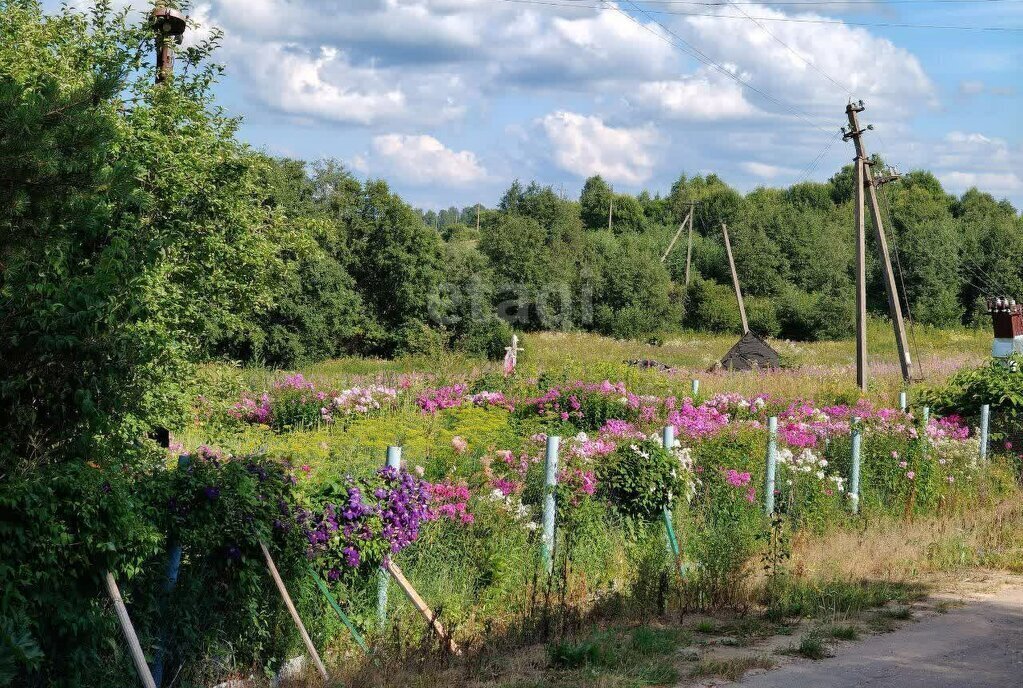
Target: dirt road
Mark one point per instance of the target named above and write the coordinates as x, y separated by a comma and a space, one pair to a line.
977, 645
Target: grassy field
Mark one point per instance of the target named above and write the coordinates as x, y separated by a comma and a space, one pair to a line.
819, 371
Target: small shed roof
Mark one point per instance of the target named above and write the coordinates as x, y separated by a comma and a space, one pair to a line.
751, 352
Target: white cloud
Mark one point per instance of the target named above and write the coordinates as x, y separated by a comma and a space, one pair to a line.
584, 146
812, 65
966, 159
765, 171
422, 159
993, 182
699, 97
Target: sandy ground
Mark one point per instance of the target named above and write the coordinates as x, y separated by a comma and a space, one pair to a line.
978, 644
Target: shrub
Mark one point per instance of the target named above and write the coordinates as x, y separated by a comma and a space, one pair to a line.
487, 338
641, 479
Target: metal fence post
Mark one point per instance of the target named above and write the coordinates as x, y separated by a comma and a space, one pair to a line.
169, 581
668, 441
772, 461
985, 426
854, 477
383, 578
550, 481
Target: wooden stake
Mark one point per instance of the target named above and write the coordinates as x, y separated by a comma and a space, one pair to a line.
137, 657
421, 605
735, 279
310, 648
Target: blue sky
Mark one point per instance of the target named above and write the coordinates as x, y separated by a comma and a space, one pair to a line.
450, 100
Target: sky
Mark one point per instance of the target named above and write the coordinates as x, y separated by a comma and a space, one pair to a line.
452, 100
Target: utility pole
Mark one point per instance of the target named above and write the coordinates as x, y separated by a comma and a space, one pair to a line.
610, 208
477, 218
861, 277
735, 279
870, 184
689, 247
169, 25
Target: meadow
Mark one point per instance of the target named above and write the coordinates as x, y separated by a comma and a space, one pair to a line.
473, 454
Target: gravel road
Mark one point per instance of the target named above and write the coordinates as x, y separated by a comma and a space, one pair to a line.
978, 645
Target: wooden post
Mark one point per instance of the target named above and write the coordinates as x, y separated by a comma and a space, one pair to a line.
671, 244
421, 605
861, 279
894, 304
137, 657
383, 580
689, 247
772, 462
854, 477
310, 648
550, 481
985, 423
735, 279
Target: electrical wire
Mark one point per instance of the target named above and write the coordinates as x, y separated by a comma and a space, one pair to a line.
702, 57
812, 166
790, 20
715, 3
785, 45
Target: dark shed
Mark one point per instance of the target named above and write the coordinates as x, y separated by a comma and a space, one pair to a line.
749, 353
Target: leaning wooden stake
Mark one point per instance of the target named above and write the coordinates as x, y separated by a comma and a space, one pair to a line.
129, 633
421, 605
310, 648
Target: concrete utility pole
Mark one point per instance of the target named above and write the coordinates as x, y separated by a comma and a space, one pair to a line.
870, 184
861, 278
735, 279
169, 25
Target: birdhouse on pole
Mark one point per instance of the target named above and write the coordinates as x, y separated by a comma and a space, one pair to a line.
1007, 322
169, 26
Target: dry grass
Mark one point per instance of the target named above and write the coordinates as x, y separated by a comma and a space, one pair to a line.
897, 550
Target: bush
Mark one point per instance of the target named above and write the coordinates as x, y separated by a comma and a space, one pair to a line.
487, 338
642, 479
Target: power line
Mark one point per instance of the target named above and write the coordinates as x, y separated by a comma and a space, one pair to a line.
815, 163
718, 3
702, 57
785, 20
791, 50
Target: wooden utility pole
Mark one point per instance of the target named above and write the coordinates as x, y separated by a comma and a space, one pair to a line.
477, 218
869, 186
689, 247
610, 208
735, 279
861, 277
